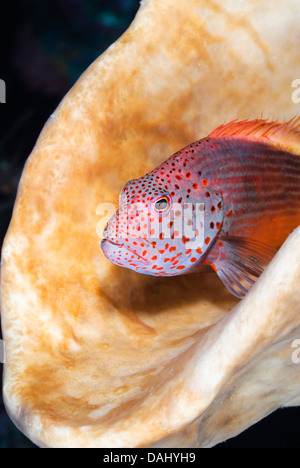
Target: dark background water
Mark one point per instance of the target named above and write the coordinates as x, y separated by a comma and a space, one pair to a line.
45, 46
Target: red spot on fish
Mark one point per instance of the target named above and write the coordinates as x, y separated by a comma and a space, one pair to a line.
220, 205
154, 257
188, 175
198, 250
188, 251
178, 177
195, 186
193, 259
207, 240
171, 249
229, 214
204, 182
213, 209
218, 225
180, 267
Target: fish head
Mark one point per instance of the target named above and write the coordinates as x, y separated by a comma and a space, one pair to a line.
162, 227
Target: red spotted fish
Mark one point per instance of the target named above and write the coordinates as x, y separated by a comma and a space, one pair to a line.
227, 201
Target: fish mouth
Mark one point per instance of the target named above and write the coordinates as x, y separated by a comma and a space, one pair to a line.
123, 247
112, 242
142, 259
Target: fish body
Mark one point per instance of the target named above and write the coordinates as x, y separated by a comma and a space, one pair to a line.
228, 201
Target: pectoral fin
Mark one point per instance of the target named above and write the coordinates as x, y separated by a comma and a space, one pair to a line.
240, 262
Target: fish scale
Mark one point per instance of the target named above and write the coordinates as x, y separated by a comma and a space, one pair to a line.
226, 201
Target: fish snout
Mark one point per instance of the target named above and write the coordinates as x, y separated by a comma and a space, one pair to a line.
112, 230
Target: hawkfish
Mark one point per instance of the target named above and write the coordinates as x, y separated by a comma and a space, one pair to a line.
227, 202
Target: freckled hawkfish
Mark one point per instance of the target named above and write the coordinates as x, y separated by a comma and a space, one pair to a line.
227, 201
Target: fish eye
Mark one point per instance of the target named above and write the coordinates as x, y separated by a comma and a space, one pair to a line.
161, 204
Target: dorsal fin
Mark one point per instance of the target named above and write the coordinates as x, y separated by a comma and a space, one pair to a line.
286, 135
